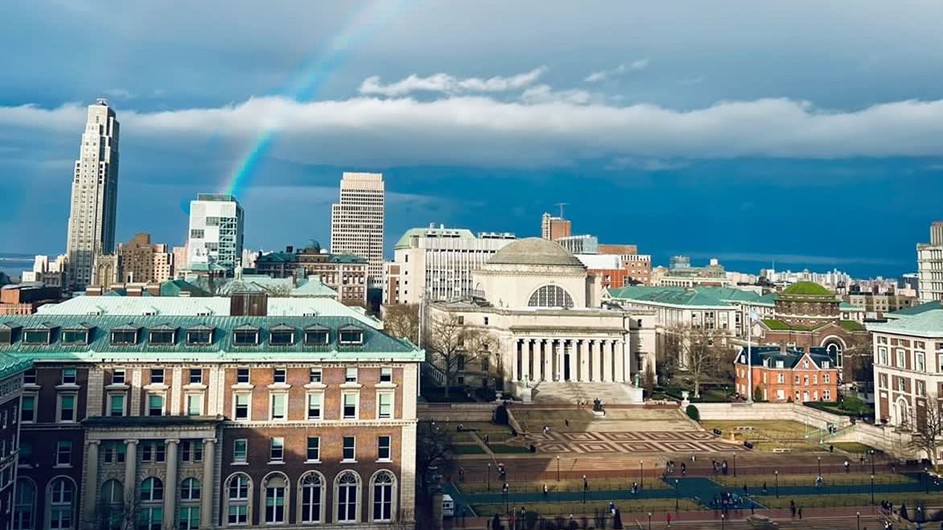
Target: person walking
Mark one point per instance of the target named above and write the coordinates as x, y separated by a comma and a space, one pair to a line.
799, 511
668, 518
792, 509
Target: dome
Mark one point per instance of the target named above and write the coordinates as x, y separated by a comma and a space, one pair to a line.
535, 251
313, 245
806, 289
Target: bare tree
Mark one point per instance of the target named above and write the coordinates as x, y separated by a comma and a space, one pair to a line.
451, 344
928, 428
699, 351
402, 320
435, 452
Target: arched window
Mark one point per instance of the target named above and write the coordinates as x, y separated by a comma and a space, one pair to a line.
61, 504
312, 497
347, 485
112, 504
151, 511
189, 511
23, 501
550, 296
237, 499
384, 484
275, 489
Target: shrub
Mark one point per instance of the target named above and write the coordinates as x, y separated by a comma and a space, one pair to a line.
501, 415
693, 413
854, 405
485, 394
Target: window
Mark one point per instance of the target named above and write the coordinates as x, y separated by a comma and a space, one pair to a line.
279, 401
67, 407
882, 356
550, 296
384, 448
113, 452
314, 376
317, 337
153, 451
277, 449
241, 405
24, 500
315, 403
279, 375
901, 384
161, 337
350, 401
190, 490
351, 376
152, 489
112, 501
116, 404
61, 504
826, 364
124, 337
920, 361
29, 377
351, 336
68, 376
199, 337
191, 450
117, 376
75, 336
238, 499
63, 453
826, 395
188, 517
196, 376
780, 364
826, 378
194, 404
275, 489
245, 337
921, 388
157, 376
900, 358
196, 233
155, 404
281, 337
314, 449
350, 445
312, 491
386, 375
347, 492
240, 450
36, 336
28, 411
242, 376
384, 405
383, 496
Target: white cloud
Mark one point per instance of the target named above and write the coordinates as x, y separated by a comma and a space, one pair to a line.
448, 84
602, 75
548, 128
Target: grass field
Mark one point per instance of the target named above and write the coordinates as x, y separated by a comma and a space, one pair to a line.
831, 501
469, 449
631, 510
754, 482
564, 485
769, 435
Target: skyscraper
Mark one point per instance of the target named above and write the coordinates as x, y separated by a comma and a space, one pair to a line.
357, 221
930, 265
94, 194
216, 231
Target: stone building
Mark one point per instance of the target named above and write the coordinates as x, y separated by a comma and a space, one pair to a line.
187, 413
346, 274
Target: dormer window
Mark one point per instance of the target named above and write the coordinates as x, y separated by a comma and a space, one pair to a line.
317, 336
826, 364
161, 336
780, 364
351, 336
6, 334
281, 336
245, 336
37, 336
199, 336
79, 335
124, 336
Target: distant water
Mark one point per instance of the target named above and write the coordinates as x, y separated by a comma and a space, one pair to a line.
14, 265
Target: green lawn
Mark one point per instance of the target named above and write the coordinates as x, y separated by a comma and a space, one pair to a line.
597, 484
631, 510
831, 501
754, 482
507, 449
469, 449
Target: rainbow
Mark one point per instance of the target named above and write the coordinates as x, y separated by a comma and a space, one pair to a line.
314, 73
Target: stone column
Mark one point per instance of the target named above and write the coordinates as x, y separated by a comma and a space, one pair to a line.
572, 363
170, 485
130, 471
601, 358
620, 361
608, 354
90, 495
525, 359
546, 347
207, 488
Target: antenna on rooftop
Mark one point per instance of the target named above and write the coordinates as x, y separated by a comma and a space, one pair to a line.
561, 205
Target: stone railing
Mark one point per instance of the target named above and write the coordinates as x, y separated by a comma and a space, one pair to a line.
771, 412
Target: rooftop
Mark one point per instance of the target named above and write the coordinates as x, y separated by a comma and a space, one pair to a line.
927, 323
790, 357
807, 289
687, 296
432, 231
535, 251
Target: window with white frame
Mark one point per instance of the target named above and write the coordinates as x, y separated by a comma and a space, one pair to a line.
920, 363
780, 378
882, 356
67, 407
61, 504
383, 483
901, 354
901, 384
277, 449
155, 404
275, 488
24, 501
348, 492
237, 500
240, 451
151, 510
279, 375
196, 376
315, 376
351, 375
315, 405
63, 453
384, 447
69, 376
240, 404
279, 406
194, 404
826, 378
117, 376
157, 376
349, 448
191, 450
386, 375
384, 405
242, 376
312, 497
116, 404
826, 395
349, 403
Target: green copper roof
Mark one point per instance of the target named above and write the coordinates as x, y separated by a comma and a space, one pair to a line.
689, 296
376, 344
178, 287
452, 233
807, 288
918, 309
12, 365
928, 323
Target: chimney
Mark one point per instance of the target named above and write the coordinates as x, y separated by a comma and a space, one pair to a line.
289, 249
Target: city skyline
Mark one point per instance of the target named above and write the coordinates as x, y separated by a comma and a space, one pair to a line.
650, 140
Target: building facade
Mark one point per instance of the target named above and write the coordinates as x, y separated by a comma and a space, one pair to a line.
908, 366
682, 274
345, 274
787, 374
142, 261
436, 263
930, 265
177, 418
24, 298
12, 370
94, 194
357, 221
216, 231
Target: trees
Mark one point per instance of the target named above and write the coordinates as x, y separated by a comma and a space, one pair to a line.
699, 351
648, 380
402, 320
928, 428
435, 453
451, 344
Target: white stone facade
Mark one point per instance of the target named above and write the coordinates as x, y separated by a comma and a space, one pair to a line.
357, 221
216, 231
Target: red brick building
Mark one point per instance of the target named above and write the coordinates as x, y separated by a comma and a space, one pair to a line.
781, 375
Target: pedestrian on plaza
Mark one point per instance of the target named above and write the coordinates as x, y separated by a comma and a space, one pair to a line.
545, 490
799, 511
668, 518
847, 466
566, 422
792, 509
684, 468
764, 488
745, 490
693, 458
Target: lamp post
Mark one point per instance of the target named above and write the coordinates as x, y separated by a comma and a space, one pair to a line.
777, 482
735, 464
871, 454
723, 521
677, 494
872, 490
926, 479
585, 487
504, 488
558, 468
489, 476
858, 516
649, 520
819, 458
641, 473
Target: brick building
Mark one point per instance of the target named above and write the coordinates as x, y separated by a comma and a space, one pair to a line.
208, 412
11, 384
787, 374
344, 273
140, 261
25, 298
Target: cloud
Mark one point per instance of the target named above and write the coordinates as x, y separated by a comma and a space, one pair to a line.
693, 80
602, 75
548, 128
119, 93
448, 84
646, 164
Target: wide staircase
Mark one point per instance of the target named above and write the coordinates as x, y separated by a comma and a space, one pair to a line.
559, 393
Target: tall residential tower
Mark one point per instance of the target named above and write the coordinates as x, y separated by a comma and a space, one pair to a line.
216, 231
94, 195
930, 265
357, 221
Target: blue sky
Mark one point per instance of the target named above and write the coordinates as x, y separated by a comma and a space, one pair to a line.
807, 132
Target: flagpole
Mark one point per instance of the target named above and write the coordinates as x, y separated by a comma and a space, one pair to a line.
750, 357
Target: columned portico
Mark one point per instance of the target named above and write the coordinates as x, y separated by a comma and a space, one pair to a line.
577, 360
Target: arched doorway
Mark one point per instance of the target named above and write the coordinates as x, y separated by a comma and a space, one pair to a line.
901, 413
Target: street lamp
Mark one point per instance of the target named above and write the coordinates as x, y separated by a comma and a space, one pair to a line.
489, 476
723, 520
820, 465
649, 520
926, 479
777, 482
641, 474
677, 494
558, 468
871, 453
858, 515
872, 490
504, 488
585, 487
735, 464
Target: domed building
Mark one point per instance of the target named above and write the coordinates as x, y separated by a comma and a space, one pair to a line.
537, 302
